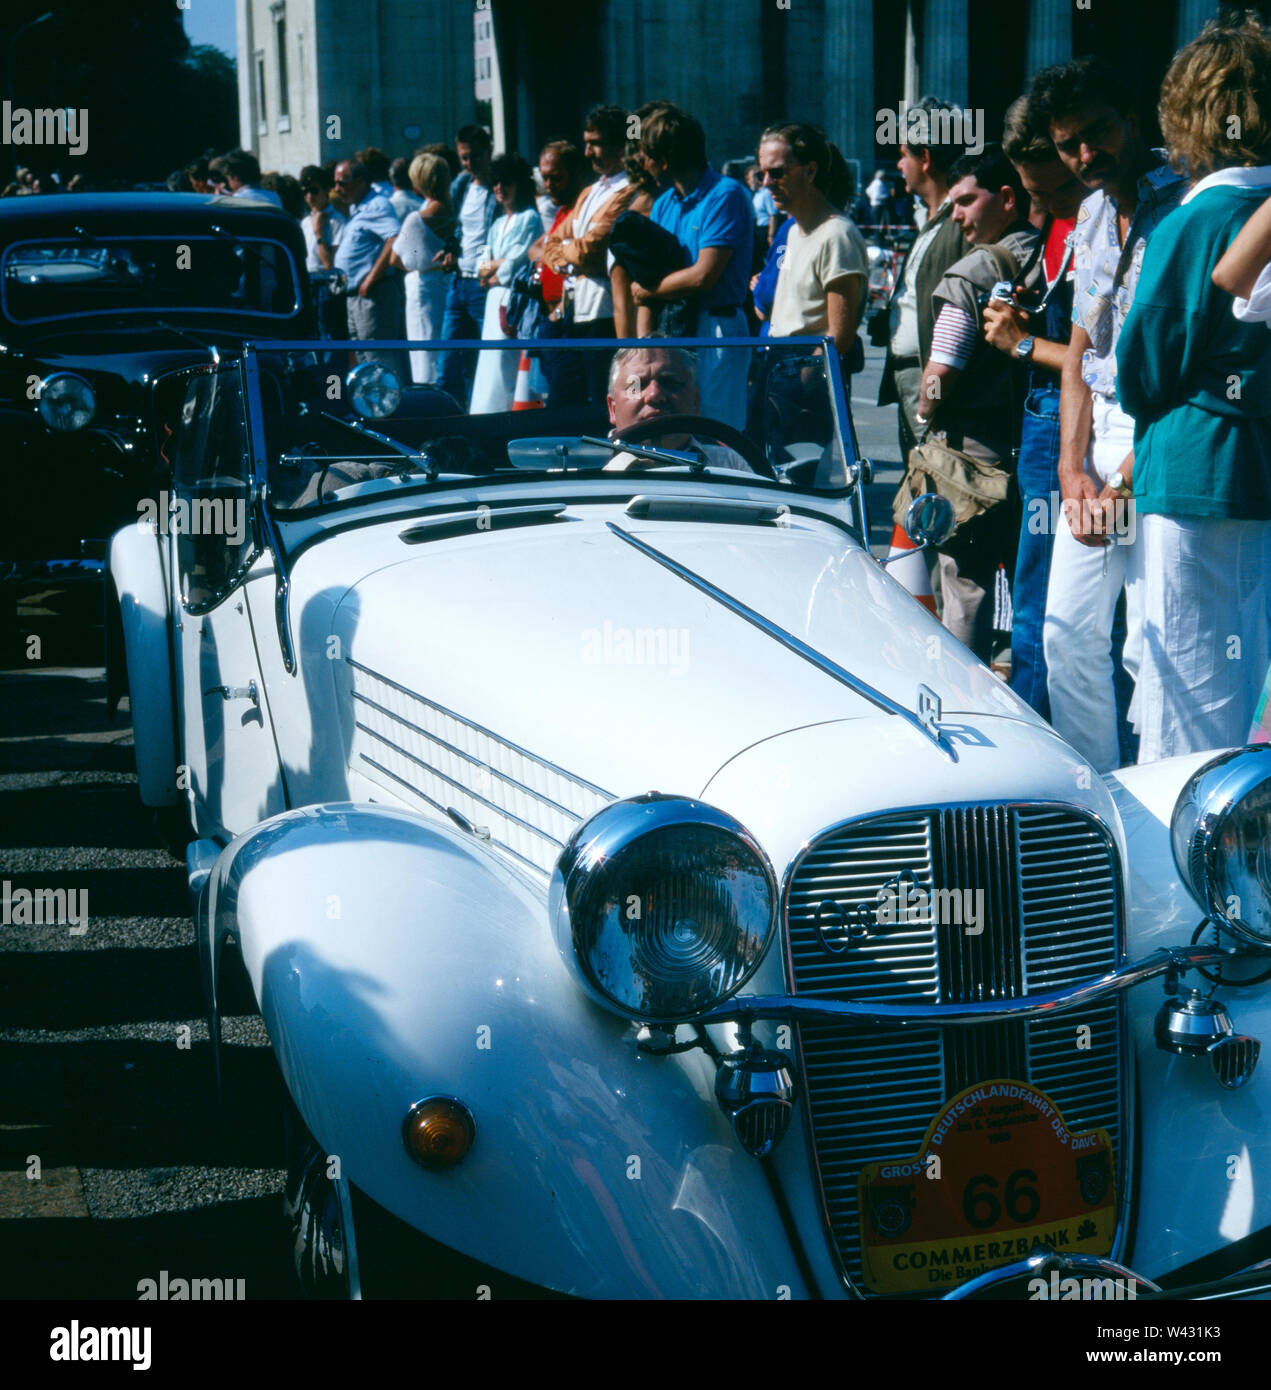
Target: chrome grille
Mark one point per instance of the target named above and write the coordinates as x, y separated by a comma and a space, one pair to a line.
1051, 917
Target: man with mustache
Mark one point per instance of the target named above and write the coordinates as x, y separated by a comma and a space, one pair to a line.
1096, 133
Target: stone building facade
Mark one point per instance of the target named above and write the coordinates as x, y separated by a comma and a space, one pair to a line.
319, 78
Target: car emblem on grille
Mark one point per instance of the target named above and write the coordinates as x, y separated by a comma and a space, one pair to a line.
899, 900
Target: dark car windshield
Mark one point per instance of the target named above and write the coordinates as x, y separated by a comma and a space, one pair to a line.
333, 437
54, 278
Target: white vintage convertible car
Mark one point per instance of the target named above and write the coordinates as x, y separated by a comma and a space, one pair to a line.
644, 895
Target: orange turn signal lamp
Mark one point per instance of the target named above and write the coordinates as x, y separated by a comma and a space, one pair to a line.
438, 1132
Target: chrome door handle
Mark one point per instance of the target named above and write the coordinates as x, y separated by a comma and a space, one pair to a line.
236, 692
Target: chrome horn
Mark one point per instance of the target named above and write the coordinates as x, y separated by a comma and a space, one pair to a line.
1196, 1026
755, 1089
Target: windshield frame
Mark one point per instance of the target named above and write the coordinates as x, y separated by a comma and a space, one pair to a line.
853, 490
105, 240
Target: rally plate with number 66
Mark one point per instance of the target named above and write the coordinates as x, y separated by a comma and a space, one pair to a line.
998, 1173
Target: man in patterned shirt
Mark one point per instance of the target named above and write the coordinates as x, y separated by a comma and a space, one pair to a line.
1096, 133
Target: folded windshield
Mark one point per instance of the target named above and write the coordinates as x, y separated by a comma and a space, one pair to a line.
347, 422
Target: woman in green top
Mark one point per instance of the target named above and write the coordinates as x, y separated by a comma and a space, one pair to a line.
1198, 383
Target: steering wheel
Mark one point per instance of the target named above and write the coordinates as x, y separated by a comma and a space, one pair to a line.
703, 424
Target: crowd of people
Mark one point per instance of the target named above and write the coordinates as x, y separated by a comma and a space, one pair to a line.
1075, 342
1076, 370
627, 232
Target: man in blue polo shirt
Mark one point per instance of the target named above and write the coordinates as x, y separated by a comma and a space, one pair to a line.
375, 302
713, 219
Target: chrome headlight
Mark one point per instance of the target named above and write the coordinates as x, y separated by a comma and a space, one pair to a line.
66, 402
1221, 829
374, 390
662, 907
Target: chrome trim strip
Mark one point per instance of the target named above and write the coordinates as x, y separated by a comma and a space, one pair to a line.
791, 642
857, 1013
423, 796
1043, 1262
468, 757
481, 729
459, 787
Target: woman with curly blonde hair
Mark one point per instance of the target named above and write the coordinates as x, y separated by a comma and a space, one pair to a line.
1197, 381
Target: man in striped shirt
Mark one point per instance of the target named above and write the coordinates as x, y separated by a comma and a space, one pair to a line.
970, 392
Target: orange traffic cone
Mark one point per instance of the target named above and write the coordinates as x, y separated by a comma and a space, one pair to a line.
525, 399
911, 573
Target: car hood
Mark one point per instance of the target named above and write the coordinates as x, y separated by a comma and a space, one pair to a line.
568, 642
131, 350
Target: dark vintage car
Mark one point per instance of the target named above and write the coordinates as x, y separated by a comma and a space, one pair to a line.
102, 298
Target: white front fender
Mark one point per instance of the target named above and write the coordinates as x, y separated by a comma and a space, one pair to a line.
1204, 1179
136, 571
395, 958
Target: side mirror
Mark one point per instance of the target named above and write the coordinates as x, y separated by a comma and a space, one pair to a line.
930, 520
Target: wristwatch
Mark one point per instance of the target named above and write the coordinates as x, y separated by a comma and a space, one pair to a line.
1118, 485
1024, 348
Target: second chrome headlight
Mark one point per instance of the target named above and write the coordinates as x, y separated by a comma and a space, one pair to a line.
1221, 829
662, 906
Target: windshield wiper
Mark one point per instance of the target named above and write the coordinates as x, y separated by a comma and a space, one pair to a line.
420, 462
696, 461
182, 333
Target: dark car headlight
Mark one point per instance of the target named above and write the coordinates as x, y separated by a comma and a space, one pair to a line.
1221, 831
662, 907
67, 402
375, 391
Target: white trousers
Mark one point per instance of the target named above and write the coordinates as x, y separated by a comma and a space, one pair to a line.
495, 381
1085, 584
425, 308
1206, 632
721, 375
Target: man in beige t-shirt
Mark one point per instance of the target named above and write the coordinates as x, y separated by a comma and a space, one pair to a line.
825, 269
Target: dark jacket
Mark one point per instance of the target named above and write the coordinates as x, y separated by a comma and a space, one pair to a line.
949, 246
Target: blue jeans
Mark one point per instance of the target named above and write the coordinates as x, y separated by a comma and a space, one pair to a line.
465, 313
1038, 475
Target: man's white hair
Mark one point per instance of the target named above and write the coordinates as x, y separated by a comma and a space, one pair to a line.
686, 359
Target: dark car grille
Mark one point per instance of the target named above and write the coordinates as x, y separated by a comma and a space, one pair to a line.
1052, 918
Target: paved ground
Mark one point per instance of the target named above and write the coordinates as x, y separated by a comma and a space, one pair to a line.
102, 1091
105, 1074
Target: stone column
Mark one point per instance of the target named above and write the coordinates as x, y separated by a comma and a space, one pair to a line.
1192, 15
1049, 35
848, 93
944, 57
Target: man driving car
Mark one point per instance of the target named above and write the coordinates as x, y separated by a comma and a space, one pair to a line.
647, 383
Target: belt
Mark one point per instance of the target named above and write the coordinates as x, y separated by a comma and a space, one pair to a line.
903, 364
463, 275
721, 311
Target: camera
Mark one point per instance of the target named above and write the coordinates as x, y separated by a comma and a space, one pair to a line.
1003, 291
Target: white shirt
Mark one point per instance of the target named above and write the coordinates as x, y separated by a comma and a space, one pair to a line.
260, 195
904, 313
331, 234
592, 298
405, 203
472, 227
417, 245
